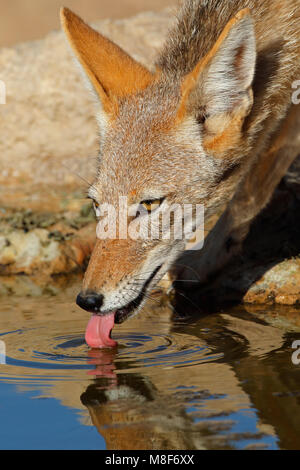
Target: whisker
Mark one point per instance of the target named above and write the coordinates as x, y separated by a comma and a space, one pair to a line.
78, 176
157, 301
189, 300
188, 267
75, 261
146, 294
182, 280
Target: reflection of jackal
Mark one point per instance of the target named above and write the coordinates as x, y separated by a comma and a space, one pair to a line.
214, 122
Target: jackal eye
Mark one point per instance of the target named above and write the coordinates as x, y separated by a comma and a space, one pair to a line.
152, 205
97, 208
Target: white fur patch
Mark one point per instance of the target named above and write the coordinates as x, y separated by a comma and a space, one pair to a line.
227, 79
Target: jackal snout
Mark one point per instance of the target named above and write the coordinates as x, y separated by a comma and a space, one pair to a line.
90, 301
114, 276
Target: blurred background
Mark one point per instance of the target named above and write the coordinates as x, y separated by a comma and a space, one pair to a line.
49, 135
25, 20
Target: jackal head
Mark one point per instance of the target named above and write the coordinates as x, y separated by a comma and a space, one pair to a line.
166, 138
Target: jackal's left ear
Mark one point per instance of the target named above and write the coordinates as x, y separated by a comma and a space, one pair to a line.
219, 88
111, 71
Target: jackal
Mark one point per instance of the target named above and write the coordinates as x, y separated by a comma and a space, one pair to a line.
212, 123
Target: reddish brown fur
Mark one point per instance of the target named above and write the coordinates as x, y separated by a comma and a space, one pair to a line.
167, 130
110, 272
104, 62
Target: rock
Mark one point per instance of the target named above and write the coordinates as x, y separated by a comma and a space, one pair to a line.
38, 252
280, 284
267, 271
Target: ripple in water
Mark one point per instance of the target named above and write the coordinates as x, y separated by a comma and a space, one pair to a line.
40, 353
180, 385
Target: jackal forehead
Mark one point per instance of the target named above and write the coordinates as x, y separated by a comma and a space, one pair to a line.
148, 151
146, 167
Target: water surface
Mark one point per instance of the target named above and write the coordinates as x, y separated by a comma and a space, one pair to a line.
219, 381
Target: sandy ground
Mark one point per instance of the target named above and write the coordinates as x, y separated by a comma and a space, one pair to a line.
23, 20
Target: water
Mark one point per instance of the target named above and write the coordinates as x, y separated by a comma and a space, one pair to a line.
219, 381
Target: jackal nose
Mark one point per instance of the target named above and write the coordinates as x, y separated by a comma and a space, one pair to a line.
90, 301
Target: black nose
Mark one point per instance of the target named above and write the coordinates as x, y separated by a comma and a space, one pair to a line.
90, 302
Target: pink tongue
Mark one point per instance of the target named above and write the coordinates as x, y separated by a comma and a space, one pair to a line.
98, 332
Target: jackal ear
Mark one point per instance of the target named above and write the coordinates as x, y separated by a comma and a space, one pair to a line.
219, 88
112, 73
